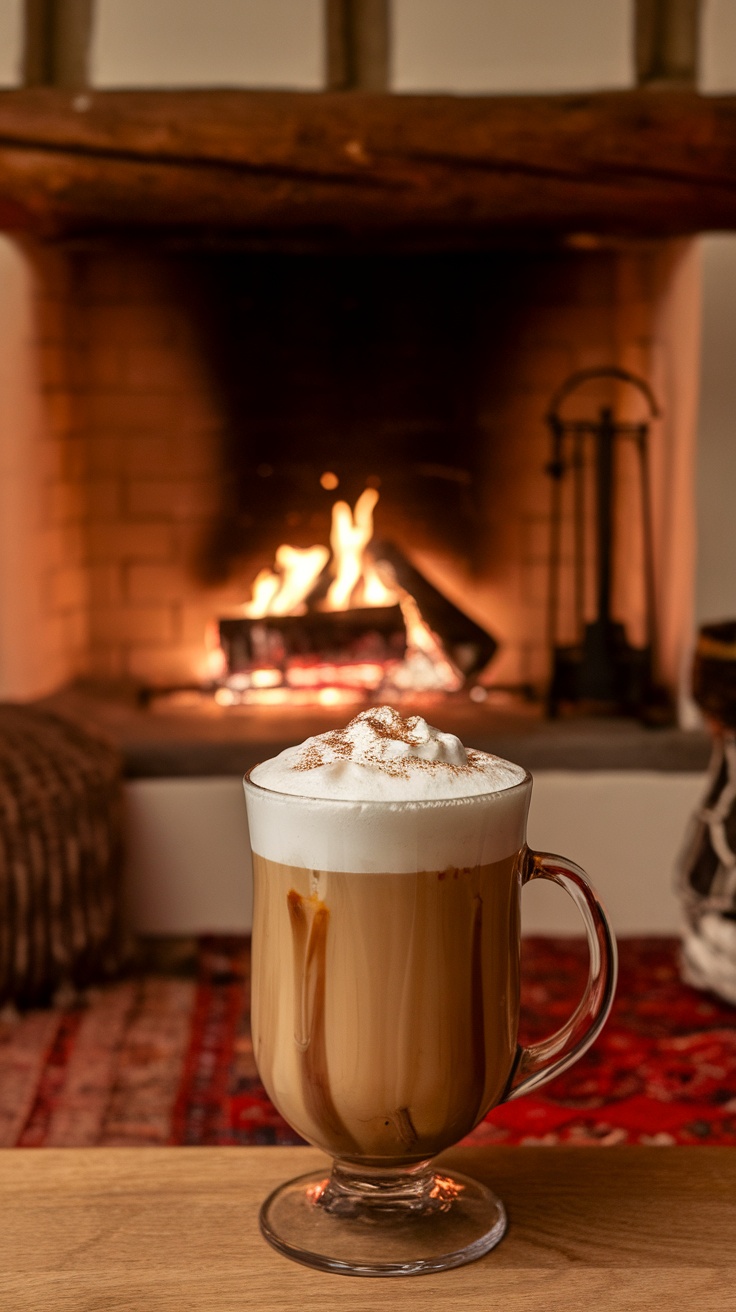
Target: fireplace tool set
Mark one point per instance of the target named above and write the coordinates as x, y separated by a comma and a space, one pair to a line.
601, 670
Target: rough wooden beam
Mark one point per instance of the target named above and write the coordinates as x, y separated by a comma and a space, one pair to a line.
286, 164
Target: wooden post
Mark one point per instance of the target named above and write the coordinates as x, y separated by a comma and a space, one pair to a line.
57, 38
357, 45
667, 42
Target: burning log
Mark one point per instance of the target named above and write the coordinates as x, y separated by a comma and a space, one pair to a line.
469, 646
302, 628
369, 636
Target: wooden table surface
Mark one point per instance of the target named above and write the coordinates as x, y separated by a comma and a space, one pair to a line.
175, 1230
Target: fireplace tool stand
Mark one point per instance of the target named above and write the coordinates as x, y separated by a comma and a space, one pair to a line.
600, 671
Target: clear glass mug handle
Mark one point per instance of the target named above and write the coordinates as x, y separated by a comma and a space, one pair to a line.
541, 1061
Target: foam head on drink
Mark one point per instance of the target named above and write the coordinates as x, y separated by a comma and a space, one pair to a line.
379, 763
386, 934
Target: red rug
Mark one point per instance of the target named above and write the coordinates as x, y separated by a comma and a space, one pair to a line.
165, 1059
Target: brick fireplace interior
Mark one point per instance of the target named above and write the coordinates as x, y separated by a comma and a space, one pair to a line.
191, 400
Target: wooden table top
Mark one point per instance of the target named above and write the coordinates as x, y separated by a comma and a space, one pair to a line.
175, 1230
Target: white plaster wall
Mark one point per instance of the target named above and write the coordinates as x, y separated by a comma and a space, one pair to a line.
626, 829
25, 669
674, 375
715, 591
189, 43
718, 46
189, 868
511, 45
11, 42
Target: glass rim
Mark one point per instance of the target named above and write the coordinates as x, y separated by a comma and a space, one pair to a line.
383, 802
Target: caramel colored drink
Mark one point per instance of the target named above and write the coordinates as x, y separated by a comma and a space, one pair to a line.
385, 1006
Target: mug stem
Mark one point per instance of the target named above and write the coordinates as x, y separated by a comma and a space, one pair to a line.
356, 1190
539, 1062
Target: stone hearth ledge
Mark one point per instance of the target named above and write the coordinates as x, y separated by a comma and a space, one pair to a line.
163, 744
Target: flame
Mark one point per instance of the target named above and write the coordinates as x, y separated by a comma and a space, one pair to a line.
284, 593
284, 589
426, 665
358, 581
265, 586
215, 661
350, 534
375, 592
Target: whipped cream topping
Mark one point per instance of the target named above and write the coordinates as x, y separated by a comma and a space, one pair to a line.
380, 756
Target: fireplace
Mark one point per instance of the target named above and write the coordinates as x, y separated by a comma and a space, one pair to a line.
177, 482
207, 399
119, 424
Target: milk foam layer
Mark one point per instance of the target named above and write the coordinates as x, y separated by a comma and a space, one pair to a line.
386, 795
380, 756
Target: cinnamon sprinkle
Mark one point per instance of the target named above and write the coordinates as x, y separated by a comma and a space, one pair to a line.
392, 728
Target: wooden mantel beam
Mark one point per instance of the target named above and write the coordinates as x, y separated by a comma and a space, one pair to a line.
336, 165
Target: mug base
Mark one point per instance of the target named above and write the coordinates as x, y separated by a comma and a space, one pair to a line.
456, 1220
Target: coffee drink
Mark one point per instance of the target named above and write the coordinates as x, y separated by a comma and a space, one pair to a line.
386, 935
396, 1030
388, 866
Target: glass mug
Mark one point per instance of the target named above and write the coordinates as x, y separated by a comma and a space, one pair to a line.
385, 1012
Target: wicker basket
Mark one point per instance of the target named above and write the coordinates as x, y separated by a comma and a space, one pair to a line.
60, 856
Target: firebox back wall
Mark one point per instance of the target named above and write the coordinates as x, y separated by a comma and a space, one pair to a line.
137, 479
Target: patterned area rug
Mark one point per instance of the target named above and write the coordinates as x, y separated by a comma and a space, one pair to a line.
166, 1059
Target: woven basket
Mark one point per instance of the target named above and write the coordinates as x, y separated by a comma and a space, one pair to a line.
60, 856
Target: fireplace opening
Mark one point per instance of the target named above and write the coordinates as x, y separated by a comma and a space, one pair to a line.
409, 388
212, 408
